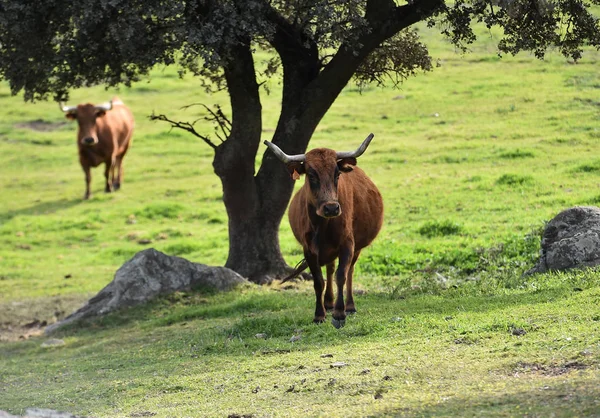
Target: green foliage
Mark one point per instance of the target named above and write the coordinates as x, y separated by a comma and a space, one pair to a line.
512, 155
593, 167
514, 180
182, 248
440, 229
161, 210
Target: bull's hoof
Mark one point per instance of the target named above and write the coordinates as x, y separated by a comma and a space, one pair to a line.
338, 323
350, 311
329, 308
319, 320
116, 186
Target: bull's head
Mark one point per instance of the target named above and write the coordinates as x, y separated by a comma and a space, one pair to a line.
86, 115
322, 167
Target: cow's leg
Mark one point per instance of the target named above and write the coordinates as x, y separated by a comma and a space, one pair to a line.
88, 180
107, 169
350, 308
118, 169
329, 287
339, 314
120, 156
319, 284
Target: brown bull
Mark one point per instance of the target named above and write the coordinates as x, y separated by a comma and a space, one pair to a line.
337, 212
104, 135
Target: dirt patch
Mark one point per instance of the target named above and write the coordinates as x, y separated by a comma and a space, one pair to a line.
10, 332
41, 125
550, 369
20, 320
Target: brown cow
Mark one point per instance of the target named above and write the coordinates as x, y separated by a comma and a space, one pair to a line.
104, 136
337, 212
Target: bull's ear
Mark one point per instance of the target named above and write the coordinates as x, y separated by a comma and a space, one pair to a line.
100, 113
71, 115
295, 169
345, 164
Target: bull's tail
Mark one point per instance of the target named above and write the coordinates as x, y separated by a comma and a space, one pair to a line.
300, 267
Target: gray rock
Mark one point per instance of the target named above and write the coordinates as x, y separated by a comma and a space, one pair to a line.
570, 240
52, 342
147, 275
39, 413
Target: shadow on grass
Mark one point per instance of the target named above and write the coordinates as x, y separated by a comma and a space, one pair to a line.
41, 208
573, 398
252, 312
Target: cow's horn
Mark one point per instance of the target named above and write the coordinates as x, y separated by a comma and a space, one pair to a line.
358, 152
66, 109
104, 106
299, 158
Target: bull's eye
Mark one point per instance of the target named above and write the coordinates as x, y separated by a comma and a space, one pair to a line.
313, 180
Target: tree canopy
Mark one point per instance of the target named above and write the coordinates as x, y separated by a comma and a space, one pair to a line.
48, 47
51, 46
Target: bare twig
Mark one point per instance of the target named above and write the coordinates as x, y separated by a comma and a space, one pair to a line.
186, 126
216, 116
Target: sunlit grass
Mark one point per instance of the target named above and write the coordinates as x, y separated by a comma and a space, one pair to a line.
471, 160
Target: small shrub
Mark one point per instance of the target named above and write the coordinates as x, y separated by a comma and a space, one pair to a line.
592, 201
593, 167
161, 210
181, 248
439, 229
504, 110
447, 159
513, 155
123, 253
473, 179
513, 180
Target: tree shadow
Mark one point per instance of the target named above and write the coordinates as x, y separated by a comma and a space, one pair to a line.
257, 311
41, 208
576, 397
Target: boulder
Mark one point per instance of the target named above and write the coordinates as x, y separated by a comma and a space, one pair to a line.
570, 240
147, 275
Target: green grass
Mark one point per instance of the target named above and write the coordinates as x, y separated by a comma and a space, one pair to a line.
471, 159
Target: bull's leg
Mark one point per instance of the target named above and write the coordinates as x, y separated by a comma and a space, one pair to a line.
329, 287
118, 170
339, 314
350, 308
319, 284
88, 181
108, 168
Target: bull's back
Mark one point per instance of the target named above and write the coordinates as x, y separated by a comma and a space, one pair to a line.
359, 199
367, 207
117, 126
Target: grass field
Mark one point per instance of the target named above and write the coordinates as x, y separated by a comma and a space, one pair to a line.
471, 160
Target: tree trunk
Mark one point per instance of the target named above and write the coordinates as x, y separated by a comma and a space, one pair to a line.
256, 204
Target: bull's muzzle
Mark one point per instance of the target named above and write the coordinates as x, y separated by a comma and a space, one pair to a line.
331, 210
89, 141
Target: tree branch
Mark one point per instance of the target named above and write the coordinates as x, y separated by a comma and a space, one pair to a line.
186, 126
217, 117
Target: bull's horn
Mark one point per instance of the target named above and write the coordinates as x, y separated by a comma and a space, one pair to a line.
104, 106
66, 109
299, 158
358, 152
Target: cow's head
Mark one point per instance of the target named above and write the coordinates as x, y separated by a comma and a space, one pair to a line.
322, 167
86, 115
